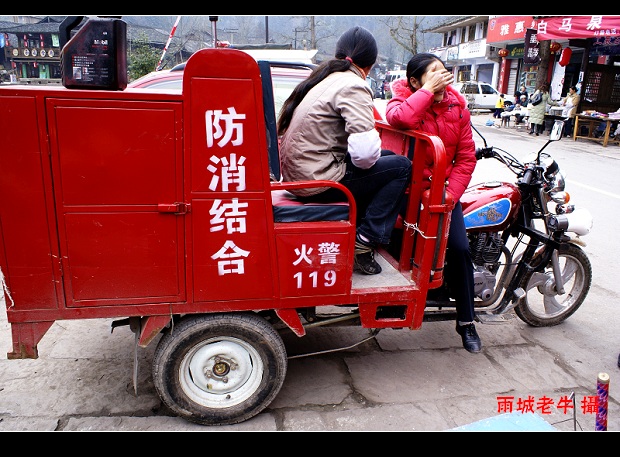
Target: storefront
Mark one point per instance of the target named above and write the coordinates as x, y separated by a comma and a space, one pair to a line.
579, 43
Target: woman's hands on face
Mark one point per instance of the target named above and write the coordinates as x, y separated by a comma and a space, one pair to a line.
436, 79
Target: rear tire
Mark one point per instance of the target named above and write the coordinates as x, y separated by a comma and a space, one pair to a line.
219, 369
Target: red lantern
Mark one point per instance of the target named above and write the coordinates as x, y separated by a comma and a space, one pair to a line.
503, 52
555, 47
565, 56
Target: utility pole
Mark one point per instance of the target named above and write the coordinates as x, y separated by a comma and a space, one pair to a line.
312, 33
266, 29
213, 20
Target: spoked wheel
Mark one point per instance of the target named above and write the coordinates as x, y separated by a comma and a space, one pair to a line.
542, 306
219, 369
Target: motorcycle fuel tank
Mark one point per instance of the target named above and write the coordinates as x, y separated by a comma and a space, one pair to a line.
490, 205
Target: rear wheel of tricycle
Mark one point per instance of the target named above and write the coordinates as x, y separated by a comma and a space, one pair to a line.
219, 369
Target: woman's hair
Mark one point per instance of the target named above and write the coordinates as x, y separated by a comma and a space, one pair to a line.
355, 46
418, 64
573, 87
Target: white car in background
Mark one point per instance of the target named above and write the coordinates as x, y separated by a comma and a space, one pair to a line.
480, 95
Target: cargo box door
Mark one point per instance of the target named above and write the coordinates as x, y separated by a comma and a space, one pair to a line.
117, 170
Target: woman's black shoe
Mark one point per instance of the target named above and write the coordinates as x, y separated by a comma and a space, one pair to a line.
364, 258
471, 340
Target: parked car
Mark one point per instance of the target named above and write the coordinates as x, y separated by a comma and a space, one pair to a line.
480, 95
391, 76
285, 77
375, 86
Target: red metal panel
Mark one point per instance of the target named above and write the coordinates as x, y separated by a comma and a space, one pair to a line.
232, 252
115, 165
123, 257
226, 154
26, 251
231, 256
314, 264
116, 153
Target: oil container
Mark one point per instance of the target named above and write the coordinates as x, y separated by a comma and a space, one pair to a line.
96, 56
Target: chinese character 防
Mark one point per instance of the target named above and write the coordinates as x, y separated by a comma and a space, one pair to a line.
213, 120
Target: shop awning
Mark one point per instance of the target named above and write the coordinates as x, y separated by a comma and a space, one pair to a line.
512, 28
570, 27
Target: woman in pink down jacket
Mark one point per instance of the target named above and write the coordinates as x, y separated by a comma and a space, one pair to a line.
426, 101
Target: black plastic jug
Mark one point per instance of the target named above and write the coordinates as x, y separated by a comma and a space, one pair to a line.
95, 57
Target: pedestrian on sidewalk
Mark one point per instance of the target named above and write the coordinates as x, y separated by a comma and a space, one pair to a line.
499, 107
537, 111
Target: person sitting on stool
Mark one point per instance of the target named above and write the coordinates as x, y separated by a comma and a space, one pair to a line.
518, 115
570, 103
505, 116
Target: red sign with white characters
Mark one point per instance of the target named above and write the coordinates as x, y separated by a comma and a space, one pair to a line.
510, 28
565, 27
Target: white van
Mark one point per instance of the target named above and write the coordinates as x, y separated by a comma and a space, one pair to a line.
394, 75
390, 76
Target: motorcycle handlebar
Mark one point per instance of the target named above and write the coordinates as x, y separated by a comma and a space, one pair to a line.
528, 175
484, 153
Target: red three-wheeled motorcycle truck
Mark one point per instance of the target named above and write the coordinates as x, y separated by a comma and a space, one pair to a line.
165, 211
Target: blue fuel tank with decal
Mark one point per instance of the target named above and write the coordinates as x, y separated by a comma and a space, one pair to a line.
490, 206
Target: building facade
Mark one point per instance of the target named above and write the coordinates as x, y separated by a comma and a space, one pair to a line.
503, 51
465, 50
30, 51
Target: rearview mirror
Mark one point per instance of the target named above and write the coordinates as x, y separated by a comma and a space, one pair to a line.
556, 131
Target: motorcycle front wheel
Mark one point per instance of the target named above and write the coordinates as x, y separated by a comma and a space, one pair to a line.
542, 306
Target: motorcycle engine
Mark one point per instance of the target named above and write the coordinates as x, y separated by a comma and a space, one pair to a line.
485, 249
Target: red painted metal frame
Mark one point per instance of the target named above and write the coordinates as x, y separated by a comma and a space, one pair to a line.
107, 207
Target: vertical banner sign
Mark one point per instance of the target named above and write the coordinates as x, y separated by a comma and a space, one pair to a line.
531, 55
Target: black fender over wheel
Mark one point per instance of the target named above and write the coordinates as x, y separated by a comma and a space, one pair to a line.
220, 368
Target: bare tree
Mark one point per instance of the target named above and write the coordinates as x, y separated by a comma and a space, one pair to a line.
406, 31
320, 30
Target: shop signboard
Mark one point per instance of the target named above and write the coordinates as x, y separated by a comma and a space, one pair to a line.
566, 27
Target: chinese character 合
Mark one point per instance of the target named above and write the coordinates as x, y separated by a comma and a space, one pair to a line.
231, 259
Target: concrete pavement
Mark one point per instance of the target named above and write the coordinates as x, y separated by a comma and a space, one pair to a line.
402, 380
